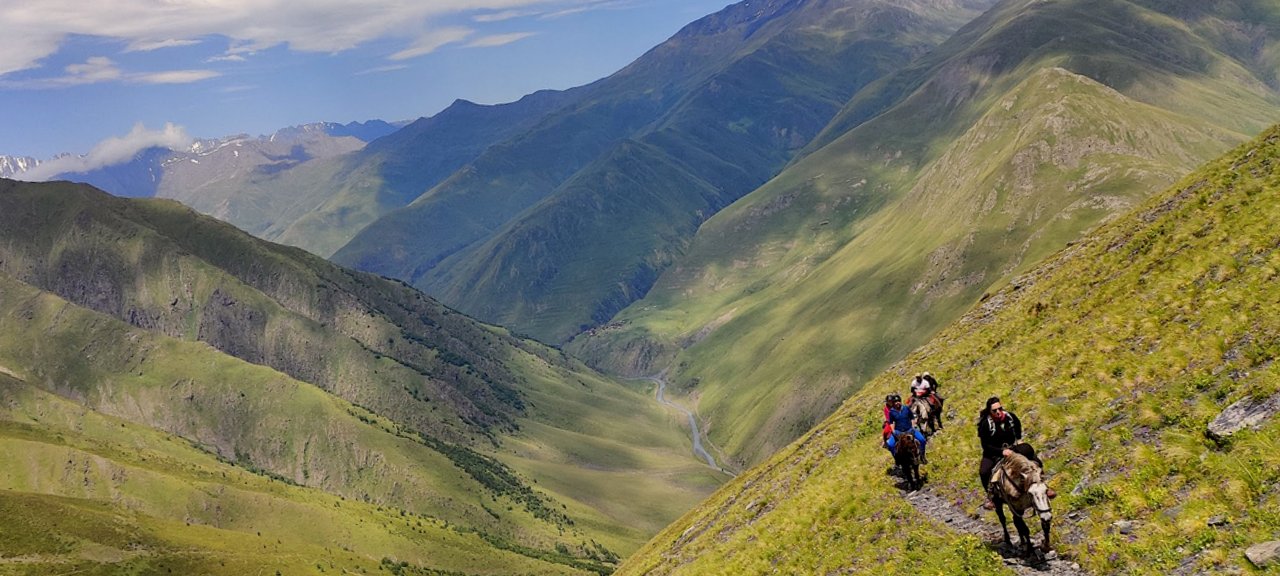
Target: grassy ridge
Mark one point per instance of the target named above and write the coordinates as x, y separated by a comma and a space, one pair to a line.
1116, 353
967, 167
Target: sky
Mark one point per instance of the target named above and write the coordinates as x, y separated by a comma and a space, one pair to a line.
100, 77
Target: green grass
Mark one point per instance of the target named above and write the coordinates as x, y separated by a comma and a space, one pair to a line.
968, 167
89, 491
1115, 353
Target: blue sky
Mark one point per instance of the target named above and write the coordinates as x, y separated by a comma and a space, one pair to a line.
75, 73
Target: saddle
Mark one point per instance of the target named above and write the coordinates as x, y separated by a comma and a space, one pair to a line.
1001, 484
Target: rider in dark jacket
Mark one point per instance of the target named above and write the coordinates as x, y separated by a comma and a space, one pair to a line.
1000, 431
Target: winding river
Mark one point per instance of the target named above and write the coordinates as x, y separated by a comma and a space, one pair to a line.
698, 450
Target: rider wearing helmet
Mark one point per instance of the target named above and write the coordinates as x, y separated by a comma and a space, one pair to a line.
898, 419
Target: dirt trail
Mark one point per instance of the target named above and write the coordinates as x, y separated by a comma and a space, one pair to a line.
944, 512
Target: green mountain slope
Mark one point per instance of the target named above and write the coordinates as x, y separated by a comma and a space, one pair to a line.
1116, 353
90, 493
967, 167
394, 170
358, 386
559, 228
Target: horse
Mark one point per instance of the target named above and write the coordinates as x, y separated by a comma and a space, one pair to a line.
1016, 481
926, 414
907, 456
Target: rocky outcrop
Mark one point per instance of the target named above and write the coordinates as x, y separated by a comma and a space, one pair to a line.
1246, 413
1265, 554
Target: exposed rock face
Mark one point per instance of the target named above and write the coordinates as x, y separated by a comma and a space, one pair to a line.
1265, 554
1247, 413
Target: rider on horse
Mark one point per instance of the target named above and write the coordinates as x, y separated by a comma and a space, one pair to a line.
925, 386
897, 419
1000, 433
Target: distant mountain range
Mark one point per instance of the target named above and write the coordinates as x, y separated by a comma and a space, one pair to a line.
14, 165
163, 172
554, 229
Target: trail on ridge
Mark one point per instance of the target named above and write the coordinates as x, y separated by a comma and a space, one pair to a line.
944, 512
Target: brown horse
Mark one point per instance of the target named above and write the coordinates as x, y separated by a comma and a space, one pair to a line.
907, 455
1016, 481
926, 414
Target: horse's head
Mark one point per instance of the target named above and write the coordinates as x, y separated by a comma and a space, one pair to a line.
1035, 486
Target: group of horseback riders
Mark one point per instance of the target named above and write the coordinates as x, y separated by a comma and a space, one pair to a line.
999, 431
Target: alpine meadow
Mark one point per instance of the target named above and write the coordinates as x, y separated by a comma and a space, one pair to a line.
659, 323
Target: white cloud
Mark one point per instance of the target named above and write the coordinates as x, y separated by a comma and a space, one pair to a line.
34, 30
498, 40
432, 41
174, 77
149, 45
95, 69
382, 69
112, 151
503, 15
98, 69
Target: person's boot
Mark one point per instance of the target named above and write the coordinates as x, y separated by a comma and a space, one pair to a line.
924, 459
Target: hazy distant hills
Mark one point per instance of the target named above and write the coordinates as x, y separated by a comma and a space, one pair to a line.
321, 206
196, 174
177, 357
559, 226
1116, 353
935, 185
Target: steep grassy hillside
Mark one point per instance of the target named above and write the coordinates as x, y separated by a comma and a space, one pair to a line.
1116, 353
1033, 124
87, 491
440, 415
558, 228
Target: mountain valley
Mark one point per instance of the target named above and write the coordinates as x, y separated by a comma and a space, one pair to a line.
646, 325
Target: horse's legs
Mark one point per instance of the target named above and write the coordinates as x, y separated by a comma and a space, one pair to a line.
1044, 527
1024, 532
1004, 523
